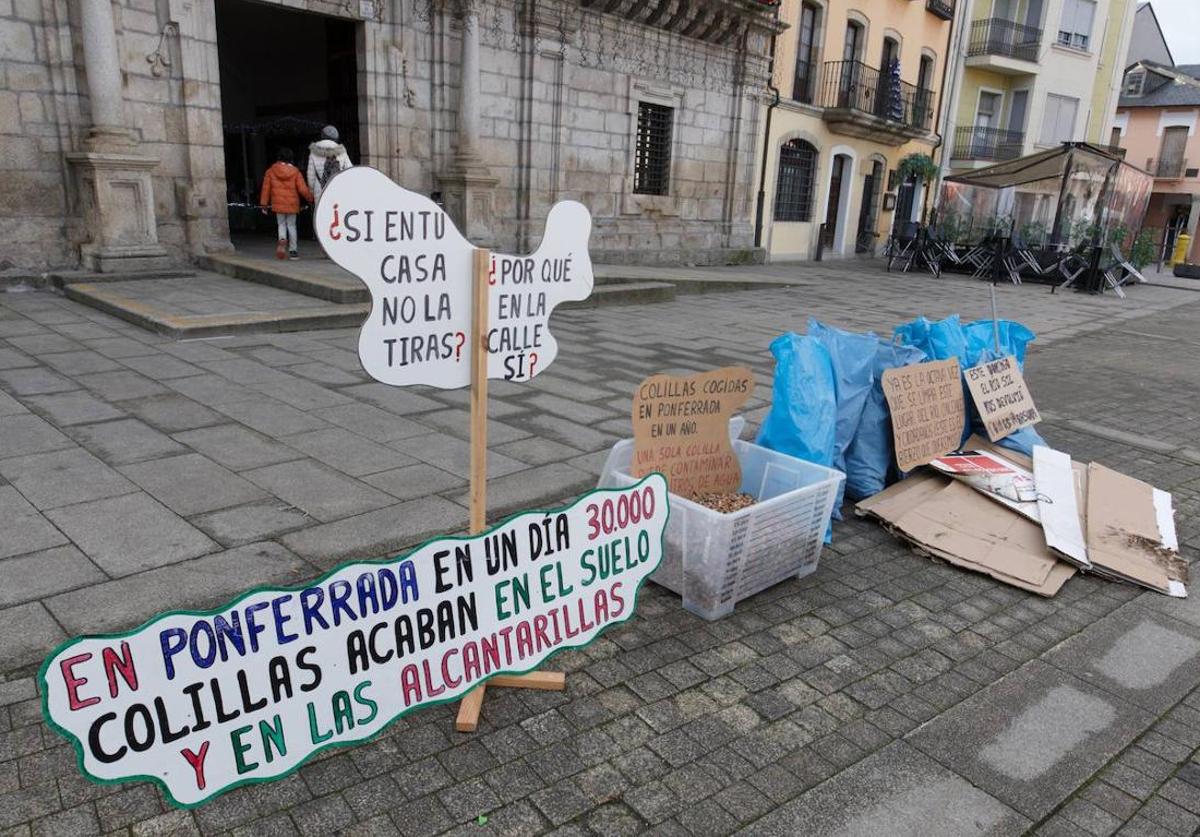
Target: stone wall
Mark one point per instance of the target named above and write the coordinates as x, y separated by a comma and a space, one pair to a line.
560, 87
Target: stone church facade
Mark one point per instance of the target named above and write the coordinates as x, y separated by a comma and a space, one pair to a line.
121, 150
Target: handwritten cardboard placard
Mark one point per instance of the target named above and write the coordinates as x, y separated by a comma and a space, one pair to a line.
681, 428
926, 403
999, 392
417, 266
201, 702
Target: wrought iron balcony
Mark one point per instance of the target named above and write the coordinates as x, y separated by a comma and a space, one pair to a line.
941, 8
996, 36
861, 101
996, 144
1169, 169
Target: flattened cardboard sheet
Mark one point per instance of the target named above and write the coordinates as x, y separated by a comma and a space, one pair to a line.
1058, 505
949, 520
1124, 537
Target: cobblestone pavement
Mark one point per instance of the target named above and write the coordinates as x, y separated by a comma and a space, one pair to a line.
883, 694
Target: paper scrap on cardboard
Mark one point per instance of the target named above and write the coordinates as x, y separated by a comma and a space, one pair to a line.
1058, 505
995, 477
681, 429
1131, 532
926, 404
999, 392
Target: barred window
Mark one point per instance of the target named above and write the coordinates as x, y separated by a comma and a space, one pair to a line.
794, 189
652, 157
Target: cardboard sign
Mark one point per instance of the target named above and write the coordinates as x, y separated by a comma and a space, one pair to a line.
417, 266
204, 702
681, 428
999, 392
926, 403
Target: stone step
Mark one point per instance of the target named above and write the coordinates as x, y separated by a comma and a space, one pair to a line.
142, 306
625, 293
318, 278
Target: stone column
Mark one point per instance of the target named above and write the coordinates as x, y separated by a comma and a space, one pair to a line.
468, 188
101, 62
115, 188
467, 152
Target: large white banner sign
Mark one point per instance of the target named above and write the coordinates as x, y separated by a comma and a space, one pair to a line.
417, 267
203, 702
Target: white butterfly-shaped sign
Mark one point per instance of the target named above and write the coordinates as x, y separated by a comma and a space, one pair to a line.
418, 268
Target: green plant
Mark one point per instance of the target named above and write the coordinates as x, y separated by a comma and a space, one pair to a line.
1034, 233
1118, 234
917, 165
1142, 251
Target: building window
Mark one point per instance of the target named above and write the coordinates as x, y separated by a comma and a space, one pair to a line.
1114, 138
794, 189
1134, 83
1075, 30
1058, 123
806, 66
652, 159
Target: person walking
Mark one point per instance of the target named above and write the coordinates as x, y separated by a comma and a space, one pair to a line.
282, 189
326, 157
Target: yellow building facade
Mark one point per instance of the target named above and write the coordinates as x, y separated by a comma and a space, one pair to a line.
859, 88
1032, 74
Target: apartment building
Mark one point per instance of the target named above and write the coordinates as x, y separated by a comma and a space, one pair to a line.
859, 85
1031, 74
1156, 123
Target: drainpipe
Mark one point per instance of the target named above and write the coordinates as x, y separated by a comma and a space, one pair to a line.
762, 178
948, 97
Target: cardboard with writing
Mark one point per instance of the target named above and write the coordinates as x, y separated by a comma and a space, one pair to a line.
201, 702
999, 392
681, 429
926, 404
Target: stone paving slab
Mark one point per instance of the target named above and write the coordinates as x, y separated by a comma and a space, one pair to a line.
1147, 659
1033, 737
669, 724
898, 790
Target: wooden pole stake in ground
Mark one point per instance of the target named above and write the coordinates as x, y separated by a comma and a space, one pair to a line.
471, 705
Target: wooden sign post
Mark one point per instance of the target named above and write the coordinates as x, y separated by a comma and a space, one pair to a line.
481, 266
434, 294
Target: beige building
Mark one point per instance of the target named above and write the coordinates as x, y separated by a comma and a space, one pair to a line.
859, 84
1030, 74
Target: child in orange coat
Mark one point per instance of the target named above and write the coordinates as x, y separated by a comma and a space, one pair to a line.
282, 188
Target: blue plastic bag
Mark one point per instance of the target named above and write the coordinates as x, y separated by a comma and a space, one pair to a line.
802, 421
853, 358
1014, 338
972, 345
872, 453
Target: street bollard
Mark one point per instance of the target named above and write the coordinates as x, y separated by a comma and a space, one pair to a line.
1182, 244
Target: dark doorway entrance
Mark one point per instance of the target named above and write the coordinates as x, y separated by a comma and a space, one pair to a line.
868, 209
833, 208
284, 75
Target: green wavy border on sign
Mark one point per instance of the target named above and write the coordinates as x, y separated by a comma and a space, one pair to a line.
78, 744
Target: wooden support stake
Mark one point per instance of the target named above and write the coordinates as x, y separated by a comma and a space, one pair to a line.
472, 703
470, 706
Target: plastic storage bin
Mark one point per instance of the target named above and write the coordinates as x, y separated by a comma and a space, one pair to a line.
715, 560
